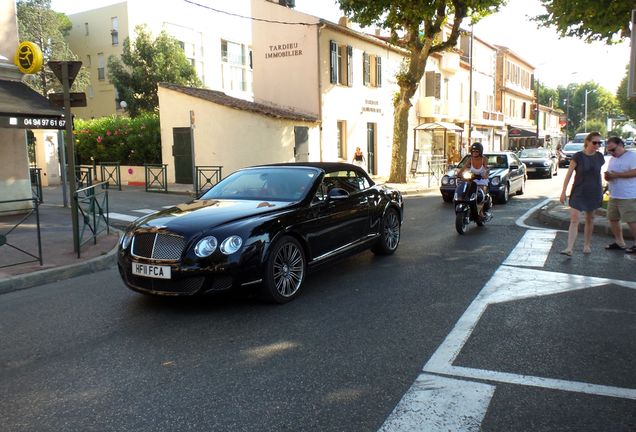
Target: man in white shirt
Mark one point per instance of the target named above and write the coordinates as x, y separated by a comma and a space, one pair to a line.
621, 176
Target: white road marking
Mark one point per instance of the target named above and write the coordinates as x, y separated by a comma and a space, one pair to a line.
120, 216
511, 283
521, 221
533, 249
145, 211
435, 403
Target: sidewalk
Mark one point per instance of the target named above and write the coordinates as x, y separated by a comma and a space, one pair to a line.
60, 261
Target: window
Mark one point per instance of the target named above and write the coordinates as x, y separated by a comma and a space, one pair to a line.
333, 62
433, 84
340, 64
341, 141
366, 69
236, 69
101, 67
88, 60
114, 30
86, 29
372, 70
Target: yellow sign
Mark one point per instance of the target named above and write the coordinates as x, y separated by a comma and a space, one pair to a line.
28, 58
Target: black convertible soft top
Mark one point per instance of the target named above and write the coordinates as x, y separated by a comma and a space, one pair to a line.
326, 167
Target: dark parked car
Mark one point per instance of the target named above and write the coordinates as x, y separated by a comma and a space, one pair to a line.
542, 162
568, 151
262, 226
507, 175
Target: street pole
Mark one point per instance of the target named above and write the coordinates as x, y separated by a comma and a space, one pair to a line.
470, 90
71, 154
537, 112
585, 118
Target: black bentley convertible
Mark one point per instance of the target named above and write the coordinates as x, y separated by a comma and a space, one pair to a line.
262, 226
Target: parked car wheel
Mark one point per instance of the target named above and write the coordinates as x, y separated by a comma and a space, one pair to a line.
504, 195
389, 234
522, 189
285, 271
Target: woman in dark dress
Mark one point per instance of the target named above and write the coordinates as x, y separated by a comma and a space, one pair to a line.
587, 191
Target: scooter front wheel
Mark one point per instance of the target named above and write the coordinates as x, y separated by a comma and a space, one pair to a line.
461, 222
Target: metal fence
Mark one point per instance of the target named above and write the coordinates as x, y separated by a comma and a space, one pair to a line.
92, 208
36, 183
10, 240
206, 177
156, 176
111, 174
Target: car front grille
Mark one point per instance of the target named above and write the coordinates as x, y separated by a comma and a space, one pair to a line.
159, 246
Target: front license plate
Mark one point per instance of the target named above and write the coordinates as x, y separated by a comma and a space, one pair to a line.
152, 271
531, 169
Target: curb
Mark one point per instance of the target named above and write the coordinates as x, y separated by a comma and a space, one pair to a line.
20, 282
561, 220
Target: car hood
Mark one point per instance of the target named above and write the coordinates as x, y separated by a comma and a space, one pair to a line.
204, 214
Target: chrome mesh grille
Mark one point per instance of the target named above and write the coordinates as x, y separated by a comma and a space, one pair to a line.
158, 246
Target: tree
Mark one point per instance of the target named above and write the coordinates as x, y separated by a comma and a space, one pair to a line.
144, 64
589, 20
417, 27
39, 24
627, 105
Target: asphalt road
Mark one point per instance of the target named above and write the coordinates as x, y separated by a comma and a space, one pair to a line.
88, 354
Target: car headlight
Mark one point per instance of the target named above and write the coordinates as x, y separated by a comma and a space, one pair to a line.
495, 181
451, 181
445, 180
205, 247
126, 239
546, 163
231, 244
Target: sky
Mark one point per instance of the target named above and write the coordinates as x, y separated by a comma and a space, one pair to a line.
557, 61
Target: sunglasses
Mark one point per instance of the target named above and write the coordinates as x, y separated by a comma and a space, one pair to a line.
596, 142
474, 151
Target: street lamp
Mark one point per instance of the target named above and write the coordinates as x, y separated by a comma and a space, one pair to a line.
585, 121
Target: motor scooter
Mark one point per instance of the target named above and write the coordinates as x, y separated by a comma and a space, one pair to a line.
469, 200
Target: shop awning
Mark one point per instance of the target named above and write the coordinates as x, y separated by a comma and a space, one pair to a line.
440, 126
23, 108
521, 132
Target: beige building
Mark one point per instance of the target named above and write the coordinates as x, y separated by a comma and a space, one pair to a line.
228, 132
216, 43
515, 97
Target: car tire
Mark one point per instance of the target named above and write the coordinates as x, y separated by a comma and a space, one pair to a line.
285, 271
504, 195
389, 239
522, 189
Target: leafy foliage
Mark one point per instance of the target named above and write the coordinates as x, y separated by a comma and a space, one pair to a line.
589, 20
145, 63
130, 141
39, 24
627, 105
417, 26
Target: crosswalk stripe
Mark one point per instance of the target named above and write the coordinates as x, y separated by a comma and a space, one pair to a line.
532, 250
120, 216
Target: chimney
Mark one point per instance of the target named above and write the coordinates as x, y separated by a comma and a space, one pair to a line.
345, 22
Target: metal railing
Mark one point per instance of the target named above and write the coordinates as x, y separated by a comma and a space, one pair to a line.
36, 183
206, 177
156, 176
437, 167
111, 174
92, 208
84, 175
8, 227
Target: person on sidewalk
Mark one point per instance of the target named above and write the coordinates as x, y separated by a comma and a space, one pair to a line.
621, 177
587, 190
358, 158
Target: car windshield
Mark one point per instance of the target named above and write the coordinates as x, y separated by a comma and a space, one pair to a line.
534, 153
573, 147
265, 184
495, 161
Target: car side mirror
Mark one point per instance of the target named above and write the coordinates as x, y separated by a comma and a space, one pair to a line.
337, 194
514, 167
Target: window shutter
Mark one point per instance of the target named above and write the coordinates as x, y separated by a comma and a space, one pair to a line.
378, 71
438, 86
333, 62
349, 65
366, 70
429, 84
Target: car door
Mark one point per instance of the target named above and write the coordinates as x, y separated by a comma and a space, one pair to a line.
517, 175
336, 222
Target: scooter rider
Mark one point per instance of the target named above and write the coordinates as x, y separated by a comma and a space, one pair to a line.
477, 164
